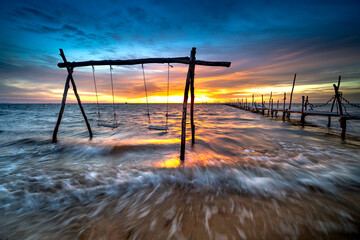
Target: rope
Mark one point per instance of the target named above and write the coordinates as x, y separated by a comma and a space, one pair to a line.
351, 104
167, 99
97, 99
113, 96
312, 106
147, 102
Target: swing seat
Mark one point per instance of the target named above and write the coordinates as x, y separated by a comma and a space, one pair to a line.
106, 124
159, 128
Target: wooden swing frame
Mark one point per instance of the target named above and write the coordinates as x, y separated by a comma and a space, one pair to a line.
191, 61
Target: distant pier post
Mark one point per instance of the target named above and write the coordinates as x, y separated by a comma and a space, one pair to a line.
283, 117
302, 111
342, 119
291, 95
269, 103
333, 103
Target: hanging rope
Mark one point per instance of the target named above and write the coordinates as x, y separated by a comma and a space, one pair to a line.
312, 106
147, 102
167, 99
351, 104
97, 99
113, 96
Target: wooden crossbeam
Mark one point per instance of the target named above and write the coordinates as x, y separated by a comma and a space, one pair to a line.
181, 60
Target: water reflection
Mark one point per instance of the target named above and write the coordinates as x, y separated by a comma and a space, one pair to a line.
246, 177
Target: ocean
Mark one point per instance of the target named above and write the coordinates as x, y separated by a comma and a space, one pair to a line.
247, 177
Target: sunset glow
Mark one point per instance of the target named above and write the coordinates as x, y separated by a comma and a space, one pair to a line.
265, 46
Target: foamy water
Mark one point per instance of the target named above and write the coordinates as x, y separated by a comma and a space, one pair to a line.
247, 177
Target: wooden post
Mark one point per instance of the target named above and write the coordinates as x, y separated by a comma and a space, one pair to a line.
306, 102
333, 103
186, 95
283, 117
270, 102
342, 119
291, 95
70, 71
192, 90
246, 103
302, 111
262, 104
67, 85
252, 103
272, 107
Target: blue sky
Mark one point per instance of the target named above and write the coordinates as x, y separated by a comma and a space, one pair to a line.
266, 41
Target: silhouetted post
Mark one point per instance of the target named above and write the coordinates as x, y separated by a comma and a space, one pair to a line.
272, 107
252, 103
67, 86
70, 71
270, 102
306, 102
186, 95
262, 104
302, 111
291, 95
246, 103
333, 103
342, 119
192, 99
283, 117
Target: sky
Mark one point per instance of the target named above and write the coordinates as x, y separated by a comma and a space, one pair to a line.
267, 42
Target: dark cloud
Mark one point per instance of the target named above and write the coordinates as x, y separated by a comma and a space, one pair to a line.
267, 41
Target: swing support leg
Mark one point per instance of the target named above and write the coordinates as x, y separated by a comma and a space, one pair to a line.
186, 95
69, 78
63, 102
192, 103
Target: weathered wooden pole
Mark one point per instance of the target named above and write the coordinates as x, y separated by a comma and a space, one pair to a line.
302, 111
67, 85
272, 107
283, 117
252, 103
70, 71
291, 95
306, 102
342, 119
262, 104
333, 103
192, 90
56, 129
186, 95
270, 102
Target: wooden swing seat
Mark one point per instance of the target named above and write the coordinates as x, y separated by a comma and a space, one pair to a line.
105, 124
159, 128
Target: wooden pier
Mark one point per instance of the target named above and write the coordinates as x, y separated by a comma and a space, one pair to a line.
272, 111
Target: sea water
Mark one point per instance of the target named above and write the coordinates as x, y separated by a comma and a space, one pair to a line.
247, 176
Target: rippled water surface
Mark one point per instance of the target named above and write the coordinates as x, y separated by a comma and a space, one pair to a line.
247, 177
